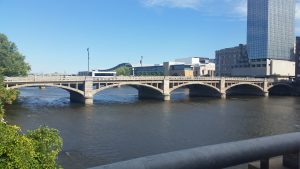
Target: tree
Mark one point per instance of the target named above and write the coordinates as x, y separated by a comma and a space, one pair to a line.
38, 149
6, 96
123, 71
12, 63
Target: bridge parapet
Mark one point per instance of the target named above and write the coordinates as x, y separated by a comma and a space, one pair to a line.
44, 79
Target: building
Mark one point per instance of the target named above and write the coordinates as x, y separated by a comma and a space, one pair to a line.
192, 66
229, 58
270, 42
270, 29
207, 69
188, 60
267, 68
270, 34
150, 70
297, 59
177, 69
201, 66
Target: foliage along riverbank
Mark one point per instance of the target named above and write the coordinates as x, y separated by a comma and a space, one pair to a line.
35, 149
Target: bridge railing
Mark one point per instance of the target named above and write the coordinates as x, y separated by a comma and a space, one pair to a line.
183, 78
128, 78
217, 156
43, 79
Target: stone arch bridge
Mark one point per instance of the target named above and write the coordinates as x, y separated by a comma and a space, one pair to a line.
82, 89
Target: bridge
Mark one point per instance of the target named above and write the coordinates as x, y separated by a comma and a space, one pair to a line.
83, 89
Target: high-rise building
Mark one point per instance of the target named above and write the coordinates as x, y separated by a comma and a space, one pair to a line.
270, 29
297, 58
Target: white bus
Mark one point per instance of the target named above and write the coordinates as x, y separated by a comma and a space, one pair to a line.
98, 73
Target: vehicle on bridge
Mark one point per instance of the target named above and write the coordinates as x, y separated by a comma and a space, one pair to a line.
98, 73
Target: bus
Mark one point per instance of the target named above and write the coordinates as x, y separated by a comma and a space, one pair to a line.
98, 73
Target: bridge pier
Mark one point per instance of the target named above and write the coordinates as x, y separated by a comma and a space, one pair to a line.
88, 101
78, 98
167, 97
223, 95
266, 94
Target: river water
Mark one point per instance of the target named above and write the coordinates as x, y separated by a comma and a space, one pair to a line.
119, 126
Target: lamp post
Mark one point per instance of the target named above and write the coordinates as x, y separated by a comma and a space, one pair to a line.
141, 61
88, 51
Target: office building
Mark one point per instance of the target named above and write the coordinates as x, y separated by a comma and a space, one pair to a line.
229, 58
297, 59
270, 29
148, 70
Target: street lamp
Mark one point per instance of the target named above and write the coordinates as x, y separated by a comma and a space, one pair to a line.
88, 51
141, 61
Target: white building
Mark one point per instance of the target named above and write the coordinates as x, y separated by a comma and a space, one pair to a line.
201, 66
267, 67
189, 60
205, 69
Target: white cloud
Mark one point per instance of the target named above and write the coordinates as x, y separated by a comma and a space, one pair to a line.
241, 8
193, 4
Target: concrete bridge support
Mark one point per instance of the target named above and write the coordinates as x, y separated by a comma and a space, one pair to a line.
88, 91
87, 98
266, 89
166, 89
223, 95
223, 88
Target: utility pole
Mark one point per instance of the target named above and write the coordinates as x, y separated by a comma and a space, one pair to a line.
141, 61
88, 50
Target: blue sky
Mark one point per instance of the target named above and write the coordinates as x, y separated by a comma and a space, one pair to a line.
54, 34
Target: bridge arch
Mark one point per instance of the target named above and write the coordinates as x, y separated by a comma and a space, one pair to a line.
69, 89
194, 83
199, 89
250, 88
281, 89
132, 84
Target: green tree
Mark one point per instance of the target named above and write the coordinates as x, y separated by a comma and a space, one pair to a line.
36, 150
6, 97
123, 71
12, 62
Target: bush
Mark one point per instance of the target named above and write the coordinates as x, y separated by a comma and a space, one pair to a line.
37, 149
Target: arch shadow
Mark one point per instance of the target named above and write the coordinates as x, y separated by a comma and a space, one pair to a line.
144, 91
69, 89
282, 89
245, 89
198, 89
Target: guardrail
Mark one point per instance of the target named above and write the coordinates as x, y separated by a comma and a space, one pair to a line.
217, 156
44, 79
128, 78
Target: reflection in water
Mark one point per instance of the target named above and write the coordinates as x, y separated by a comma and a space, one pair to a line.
119, 126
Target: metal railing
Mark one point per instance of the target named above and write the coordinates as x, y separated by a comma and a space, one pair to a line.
217, 156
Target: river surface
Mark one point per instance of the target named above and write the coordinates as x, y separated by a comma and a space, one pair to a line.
119, 126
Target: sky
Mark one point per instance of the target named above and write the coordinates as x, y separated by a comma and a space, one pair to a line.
54, 34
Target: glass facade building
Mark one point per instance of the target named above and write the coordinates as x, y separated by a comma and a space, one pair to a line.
270, 29
297, 59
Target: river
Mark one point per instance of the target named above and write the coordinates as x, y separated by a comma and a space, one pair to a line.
119, 126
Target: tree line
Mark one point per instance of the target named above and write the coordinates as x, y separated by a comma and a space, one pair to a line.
34, 149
